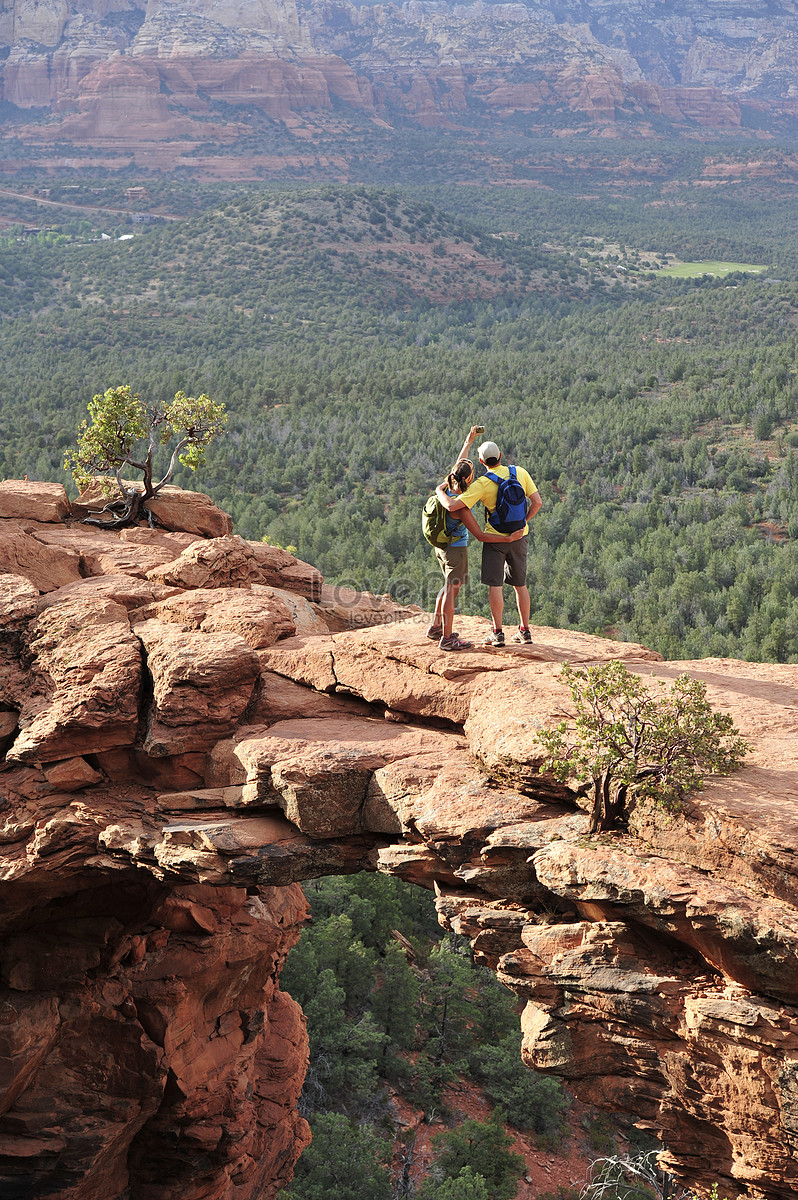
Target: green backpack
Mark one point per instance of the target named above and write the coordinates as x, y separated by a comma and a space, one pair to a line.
433, 522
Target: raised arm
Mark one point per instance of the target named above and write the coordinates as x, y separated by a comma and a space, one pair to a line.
470, 438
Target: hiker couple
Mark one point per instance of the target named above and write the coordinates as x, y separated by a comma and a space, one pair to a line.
503, 551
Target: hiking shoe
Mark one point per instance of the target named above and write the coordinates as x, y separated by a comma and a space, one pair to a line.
523, 635
494, 638
435, 633
454, 643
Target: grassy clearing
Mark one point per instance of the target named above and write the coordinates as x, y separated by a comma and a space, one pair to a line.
688, 270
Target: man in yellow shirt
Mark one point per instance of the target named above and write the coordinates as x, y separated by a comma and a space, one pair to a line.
500, 563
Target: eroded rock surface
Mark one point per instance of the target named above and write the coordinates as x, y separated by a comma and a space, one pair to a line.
609, 65
182, 745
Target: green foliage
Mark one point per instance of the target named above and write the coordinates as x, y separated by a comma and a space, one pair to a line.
601, 1133
119, 421
344, 1051
344, 1160
330, 973
484, 1147
448, 1013
632, 401
395, 1000
625, 744
376, 905
466, 1185
532, 1102
374, 1017
120, 425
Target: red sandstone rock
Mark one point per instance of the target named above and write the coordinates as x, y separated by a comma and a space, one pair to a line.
344, 608
71, 775
127, 590
18, 598
103, 552
279, 699
259, 619
503, 722
174, 509
395, 665
202, 682
318, 771
232, 562
148, 838
47, 567
33, 501
83, 692
309, 619
280, 569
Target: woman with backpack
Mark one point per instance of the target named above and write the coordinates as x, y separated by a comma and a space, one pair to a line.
453, 556
510, 499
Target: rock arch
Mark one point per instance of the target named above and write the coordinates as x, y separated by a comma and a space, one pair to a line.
192, 724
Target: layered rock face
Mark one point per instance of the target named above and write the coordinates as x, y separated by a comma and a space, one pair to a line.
130, 73
192, 724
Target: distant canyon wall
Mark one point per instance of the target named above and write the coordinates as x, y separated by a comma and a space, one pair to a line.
107, 70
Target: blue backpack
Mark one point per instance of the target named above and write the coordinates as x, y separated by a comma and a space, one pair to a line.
511, 503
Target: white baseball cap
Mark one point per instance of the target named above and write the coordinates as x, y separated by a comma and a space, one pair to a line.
489, 450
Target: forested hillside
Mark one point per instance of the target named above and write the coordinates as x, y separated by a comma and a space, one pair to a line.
404, 1031
356, 333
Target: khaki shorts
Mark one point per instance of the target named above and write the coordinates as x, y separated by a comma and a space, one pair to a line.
453, 562
504, 564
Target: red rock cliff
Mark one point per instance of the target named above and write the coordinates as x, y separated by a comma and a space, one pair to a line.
192, 723
131, 75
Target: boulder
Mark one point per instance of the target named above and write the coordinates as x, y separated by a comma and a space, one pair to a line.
201, 682
33, 501
47, 567
71, 775
318, 771
225, 562
280, 569
83, 689
260, 619
309, 619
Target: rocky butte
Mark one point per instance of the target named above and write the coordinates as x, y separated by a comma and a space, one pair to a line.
124, 76
192, 724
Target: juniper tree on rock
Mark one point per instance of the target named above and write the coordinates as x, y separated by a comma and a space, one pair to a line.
625, 743
123, 432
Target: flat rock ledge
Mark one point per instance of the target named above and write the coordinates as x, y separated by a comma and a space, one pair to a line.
192, 724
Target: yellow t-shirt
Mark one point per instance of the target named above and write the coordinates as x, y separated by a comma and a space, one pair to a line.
484, 490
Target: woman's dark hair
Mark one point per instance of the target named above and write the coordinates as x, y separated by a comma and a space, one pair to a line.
461, 474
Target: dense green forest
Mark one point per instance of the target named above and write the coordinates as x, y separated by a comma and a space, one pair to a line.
399, 1013
355, 333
